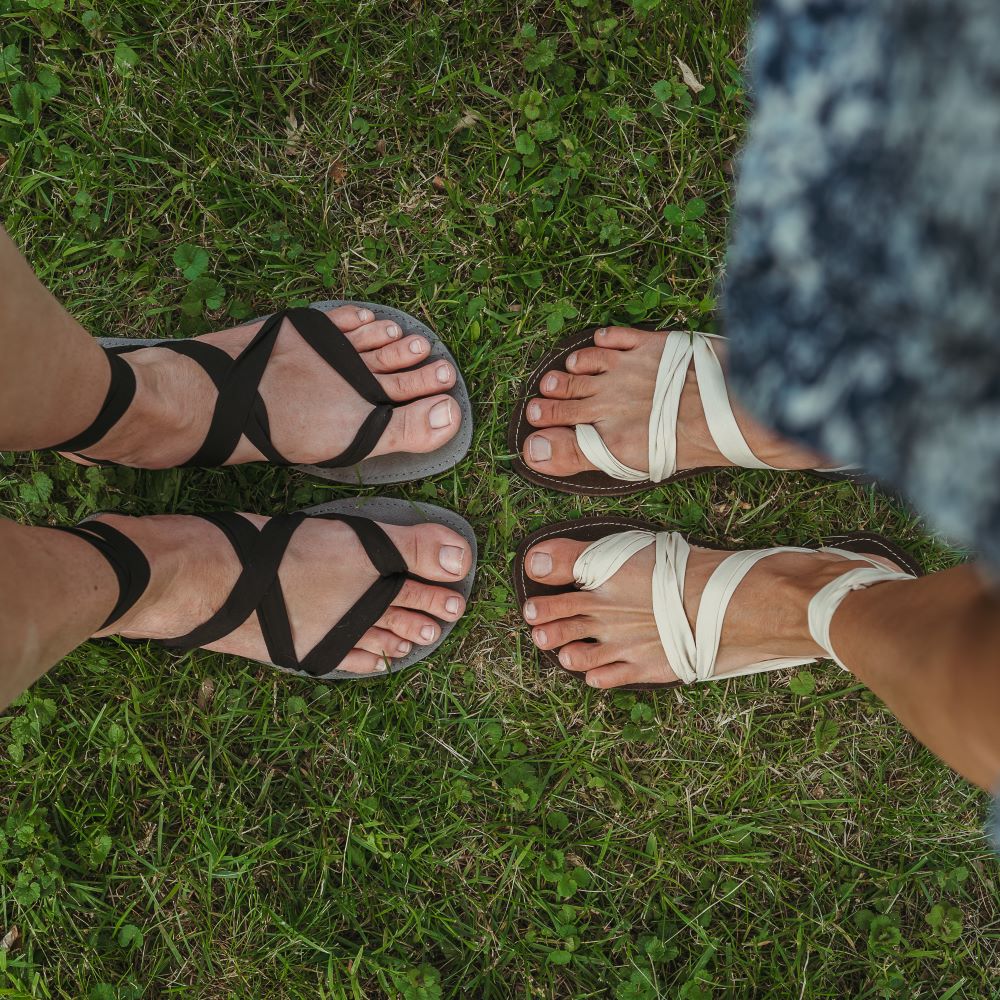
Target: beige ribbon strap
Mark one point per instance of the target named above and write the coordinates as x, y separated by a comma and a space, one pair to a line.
679, 349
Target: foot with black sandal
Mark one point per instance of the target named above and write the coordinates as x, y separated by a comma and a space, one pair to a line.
353, 392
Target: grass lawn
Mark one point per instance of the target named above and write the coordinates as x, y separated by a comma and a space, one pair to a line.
475, 827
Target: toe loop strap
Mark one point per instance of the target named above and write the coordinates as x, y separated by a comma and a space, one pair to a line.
125, 558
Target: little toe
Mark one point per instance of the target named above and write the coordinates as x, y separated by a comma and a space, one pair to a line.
560, 412
555, 452
619, 338
432, 550
562, 385
551, 561
617, 674
438, 376
437, 601
421, 426
587, 655
397, 355
410, 626
360, 661
553, 634
384, 643
350, 319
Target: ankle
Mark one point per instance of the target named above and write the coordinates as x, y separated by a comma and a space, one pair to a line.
160, 413
174, 554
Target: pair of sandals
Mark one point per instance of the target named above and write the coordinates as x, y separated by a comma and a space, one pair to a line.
690, 651
240, 411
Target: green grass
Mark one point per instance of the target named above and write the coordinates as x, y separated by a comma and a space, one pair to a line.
476, 827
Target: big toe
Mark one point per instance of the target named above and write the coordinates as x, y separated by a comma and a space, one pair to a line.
555, 452
551, 562
421, 427
432, 551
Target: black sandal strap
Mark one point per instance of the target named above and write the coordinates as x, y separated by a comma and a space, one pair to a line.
260, 552
258, 588
331, 344
125, 558
371, 605
121, 392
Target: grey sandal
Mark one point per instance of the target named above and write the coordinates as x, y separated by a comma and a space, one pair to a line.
240, 410
258, 588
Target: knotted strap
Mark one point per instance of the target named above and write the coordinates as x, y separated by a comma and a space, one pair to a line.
258, 589
692, 653
239, 408
126, 559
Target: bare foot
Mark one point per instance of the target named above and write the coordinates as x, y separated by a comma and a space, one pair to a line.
313, 412
324, 571
767, 618
611, 386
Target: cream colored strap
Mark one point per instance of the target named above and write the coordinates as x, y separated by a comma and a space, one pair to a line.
692, 654
679, 349
825, 604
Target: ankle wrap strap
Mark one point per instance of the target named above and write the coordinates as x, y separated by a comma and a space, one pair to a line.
125, 558
121, 392
826, 602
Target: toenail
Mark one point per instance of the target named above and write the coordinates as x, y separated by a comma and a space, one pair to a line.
451, 558
571, 360
440, 415
392, 331
380, 667
365, 315
530, 611
418, 346
564, 659
592, 681
539, 448
427, 633
603, 332
541, 564
534, 411
404, 648
444, 373
453, 605
550, 383
540, 637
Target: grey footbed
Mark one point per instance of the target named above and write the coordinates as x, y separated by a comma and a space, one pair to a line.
401, 467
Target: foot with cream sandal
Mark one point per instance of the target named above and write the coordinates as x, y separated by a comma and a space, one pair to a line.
621, 603
617, 410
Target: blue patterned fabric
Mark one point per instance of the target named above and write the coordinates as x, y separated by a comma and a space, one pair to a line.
862, 293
